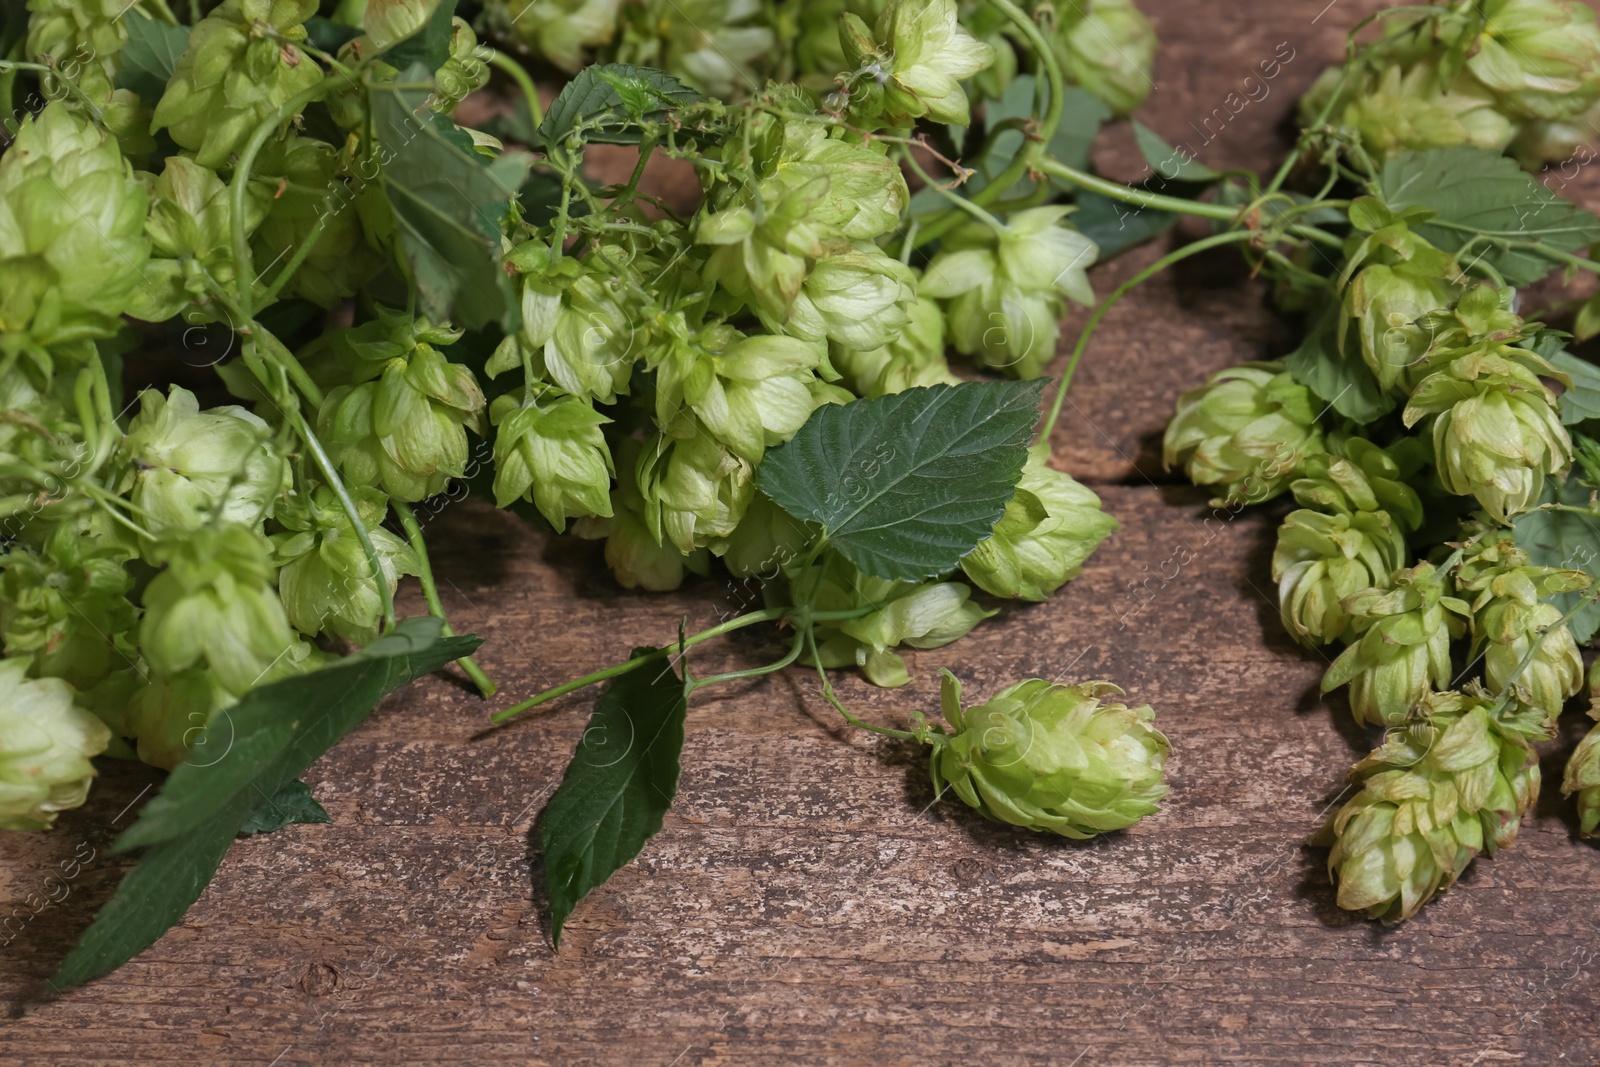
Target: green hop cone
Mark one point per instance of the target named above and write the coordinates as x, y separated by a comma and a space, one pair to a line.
1511, 615
1349, 535
65, 608
749, 393
636, 555
325, 577
169, 714
1399, 106
189, 468
1402, 280
766, 540
721, 47
1246, 431
1495, 428
388, 22
214, 606
307, 188
694, 490
1541, 57
80, 40
1108, 47
911, 614
240, 65
1052, 757
46, 743
1004, 290
562, 31
1439, 791
1051, 525
549, 449
405, 432
72, 243
1402, 651
857, 299
911, 65
1582, 777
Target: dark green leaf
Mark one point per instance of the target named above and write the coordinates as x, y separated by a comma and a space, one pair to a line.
293, 803
1081, 117
429, 46
449, 202
328, 35
150, 56
1475, 191
620, 783
1565, 539
251, 750
907, 484
1169, 162
1340, 377
1581, 400
610, 102
1115, 226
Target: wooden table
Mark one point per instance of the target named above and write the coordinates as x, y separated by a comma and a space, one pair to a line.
807, 902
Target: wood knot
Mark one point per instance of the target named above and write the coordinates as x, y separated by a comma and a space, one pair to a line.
320, 979
967, 870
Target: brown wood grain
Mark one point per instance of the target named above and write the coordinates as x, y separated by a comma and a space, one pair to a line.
807, 901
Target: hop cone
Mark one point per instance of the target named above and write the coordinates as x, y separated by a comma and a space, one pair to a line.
1246, 431
65, 608
324, 577
1108, 47
1511, 615
1583, 778
1052, 757
1495, 430
46, 743
915, 357
1004, 292
912, 614
214, 606
304, 173
233, 75
1050, 527
637, 556
1403, 651
724, 48
72, 241
1439, 791
562, 31
911, 64
550, 450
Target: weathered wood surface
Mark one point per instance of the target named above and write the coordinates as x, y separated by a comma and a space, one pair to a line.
807, 902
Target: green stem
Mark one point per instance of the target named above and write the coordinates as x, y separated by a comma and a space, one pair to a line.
830, 697
243, 281
307, 243
430, 593
756, 672
291, 365
1231, 237
530, 92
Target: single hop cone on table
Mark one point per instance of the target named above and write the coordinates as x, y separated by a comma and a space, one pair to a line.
1246, 431
1052, 757
1004, 291
1511, 616
1443, 788
1050, 526
241, 63
46, 743
1402, 649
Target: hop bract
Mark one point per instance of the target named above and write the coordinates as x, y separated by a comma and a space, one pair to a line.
1052, 757
46, 743
912, 63
1050, 527
1403, 651
1245, 431
1439, 791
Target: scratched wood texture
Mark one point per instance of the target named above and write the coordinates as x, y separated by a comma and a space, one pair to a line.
807, 902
